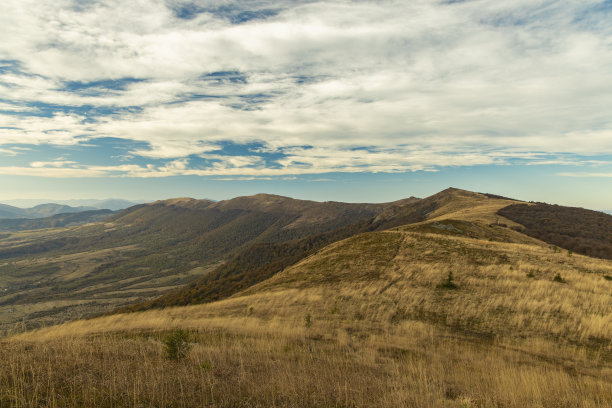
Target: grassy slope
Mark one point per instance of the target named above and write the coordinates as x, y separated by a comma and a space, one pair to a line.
380, 331
263, 260
53, 275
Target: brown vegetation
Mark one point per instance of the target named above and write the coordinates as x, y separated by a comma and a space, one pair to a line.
54, 275
381, 333
261, 261
371, 320
576, 229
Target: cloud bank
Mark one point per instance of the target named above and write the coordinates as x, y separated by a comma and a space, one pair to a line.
275, 88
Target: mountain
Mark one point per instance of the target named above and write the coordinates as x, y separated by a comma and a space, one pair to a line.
455, 308
146, 250
186, 251
263, 260
8, 211
39, 211
26, 209
48, 210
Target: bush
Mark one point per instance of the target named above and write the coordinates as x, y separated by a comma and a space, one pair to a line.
608, 277
308, 320
448, 283
558, 278
177, 344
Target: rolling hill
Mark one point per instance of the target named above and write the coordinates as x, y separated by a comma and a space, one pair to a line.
261, 261
454, 309
56, 274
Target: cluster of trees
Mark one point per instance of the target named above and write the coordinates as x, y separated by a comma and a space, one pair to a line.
575, 229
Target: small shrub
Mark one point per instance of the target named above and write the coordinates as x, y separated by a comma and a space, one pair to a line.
177, 344
531, 274
206, 366
558, 278
570, 253
608, 277
448, 282
399, 315
308, 320
334, 310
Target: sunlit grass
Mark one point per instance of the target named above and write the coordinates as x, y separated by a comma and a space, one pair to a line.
381, 334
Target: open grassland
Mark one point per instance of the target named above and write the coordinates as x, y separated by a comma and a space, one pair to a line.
250, 363
366, 322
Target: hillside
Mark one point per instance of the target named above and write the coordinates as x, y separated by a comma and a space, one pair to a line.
575, 229
57, 274
261, 261
450, 311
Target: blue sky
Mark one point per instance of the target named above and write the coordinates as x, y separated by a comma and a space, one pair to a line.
365, 100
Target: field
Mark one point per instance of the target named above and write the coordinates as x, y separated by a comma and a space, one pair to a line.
368, 321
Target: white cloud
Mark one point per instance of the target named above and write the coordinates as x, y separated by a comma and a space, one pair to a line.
420, 83
8, 152
53, 164
586, 175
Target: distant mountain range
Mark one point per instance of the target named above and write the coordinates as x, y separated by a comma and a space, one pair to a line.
39, 211
113, 204
51, 209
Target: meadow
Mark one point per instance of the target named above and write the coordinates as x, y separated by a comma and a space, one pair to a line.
365, 322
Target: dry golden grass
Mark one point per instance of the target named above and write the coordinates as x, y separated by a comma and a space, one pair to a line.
470, 206
362, 323
410, 365
381, 334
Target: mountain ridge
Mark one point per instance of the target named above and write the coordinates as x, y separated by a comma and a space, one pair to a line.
148, 249
261, 261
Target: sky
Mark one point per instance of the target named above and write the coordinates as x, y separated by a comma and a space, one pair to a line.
361, 101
